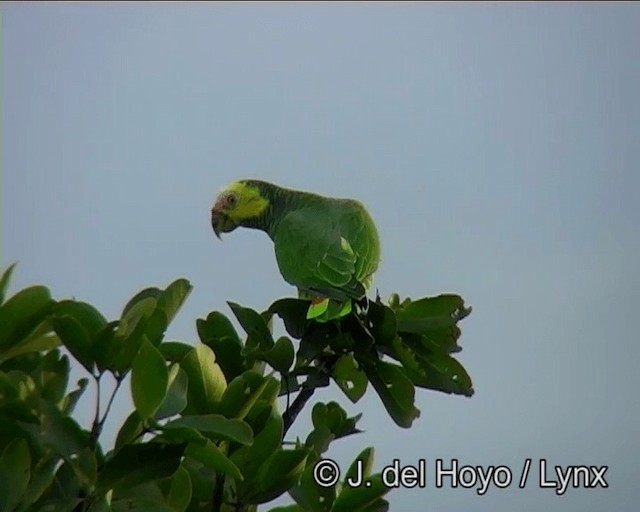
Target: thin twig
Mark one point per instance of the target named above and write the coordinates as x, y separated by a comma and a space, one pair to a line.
96, 427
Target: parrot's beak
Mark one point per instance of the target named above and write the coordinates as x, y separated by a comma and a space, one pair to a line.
220, 222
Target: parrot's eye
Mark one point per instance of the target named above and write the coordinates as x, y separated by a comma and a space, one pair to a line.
231, 200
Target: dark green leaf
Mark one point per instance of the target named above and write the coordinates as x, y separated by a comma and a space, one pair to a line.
280, 357
217, 326
31, 344
76, 339
395, 390
431, 313
180, 491
85, 314
266, 441
175, 399
432, 369
216, 425
310, 495
129, 431
383, 323
149, 378
350, 378
243, 392
15, 472
70, 401
217, 332
23, 313
319, 439
280, 472
362, 498
138, 463
60, 433
174, 351
52, 375
146, 497
363, 463
259, 336
106, 346
210, 455
293, 313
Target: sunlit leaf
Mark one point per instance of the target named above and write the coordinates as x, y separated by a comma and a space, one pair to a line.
206, 380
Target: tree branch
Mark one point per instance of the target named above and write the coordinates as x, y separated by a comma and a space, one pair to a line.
298, 404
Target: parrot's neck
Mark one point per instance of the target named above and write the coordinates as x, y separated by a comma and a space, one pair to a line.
281, 202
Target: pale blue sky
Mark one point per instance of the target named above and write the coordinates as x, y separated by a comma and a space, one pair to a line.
496, 145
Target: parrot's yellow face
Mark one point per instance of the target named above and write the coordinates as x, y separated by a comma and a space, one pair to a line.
235, 204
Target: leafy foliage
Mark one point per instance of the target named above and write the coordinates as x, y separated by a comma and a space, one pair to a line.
207, 432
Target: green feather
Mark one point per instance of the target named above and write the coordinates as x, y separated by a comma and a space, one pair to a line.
326, 247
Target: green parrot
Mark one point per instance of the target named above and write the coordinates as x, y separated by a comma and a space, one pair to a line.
328, 248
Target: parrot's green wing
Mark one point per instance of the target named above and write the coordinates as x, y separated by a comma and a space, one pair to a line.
321, 250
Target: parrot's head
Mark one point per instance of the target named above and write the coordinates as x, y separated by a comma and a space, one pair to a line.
239, 204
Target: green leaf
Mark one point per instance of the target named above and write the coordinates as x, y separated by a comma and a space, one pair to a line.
69, 403
395, 390
288, 508
172, 298
52, 375
311, 496
5, 279
280, 472
383, 323
23, 313
129, 431
39, 344
350, 378
334, 417
85, 314
76, 339
293, 313
216, 326
180, 491
363, 462
60, 433
243, 392
365, 497
216, 425
175, 399
431, 313
266, 441
135, 314
174, 351
210, 455
217, 332
42, 476
106, 346
138, 463
149, 378
259, 336
432, 369
314, 341
15, 472
206, 380
281, 356
319, 439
